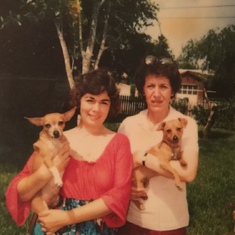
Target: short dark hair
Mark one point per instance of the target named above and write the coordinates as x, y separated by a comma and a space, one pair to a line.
152, 65
96, 82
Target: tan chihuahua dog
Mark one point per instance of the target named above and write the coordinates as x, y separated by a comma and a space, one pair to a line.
50, 139
167, 150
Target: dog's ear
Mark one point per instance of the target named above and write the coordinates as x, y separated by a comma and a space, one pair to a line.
161, 126
69, 114
183, 121
38, 121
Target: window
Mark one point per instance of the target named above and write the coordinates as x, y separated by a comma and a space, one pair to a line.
188, 89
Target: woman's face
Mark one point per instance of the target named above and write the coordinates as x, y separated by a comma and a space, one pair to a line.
158, 92
94, 109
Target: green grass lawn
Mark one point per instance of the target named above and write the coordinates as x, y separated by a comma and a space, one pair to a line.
210, 196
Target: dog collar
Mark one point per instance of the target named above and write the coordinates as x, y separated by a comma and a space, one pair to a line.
173, 153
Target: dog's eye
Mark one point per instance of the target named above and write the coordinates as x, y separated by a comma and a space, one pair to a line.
179, 129
48, 125
60, 123
168, 131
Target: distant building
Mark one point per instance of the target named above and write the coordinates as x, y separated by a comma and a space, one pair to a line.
125, 89
193, 85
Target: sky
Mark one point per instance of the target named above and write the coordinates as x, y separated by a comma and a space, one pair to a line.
182, 20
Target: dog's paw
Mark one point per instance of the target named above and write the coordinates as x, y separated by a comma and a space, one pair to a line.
179, 187
58, 183
139, 204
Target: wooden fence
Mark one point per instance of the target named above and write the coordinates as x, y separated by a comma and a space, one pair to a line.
132, 105
20, 97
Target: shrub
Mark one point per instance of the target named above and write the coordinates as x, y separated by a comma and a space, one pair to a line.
224, 115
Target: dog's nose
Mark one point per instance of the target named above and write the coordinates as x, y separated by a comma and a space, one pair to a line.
175, 138
56, 134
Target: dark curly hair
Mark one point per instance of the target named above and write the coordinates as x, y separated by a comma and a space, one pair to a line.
96, 82
152, 65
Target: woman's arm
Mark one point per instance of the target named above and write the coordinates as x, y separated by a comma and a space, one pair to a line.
186, 174
30, 185
24, 186
53, 220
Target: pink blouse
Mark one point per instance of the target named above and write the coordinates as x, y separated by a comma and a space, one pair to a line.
108, 178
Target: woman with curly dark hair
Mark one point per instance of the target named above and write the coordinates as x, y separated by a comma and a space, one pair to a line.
96, 82
97, 179
166, 209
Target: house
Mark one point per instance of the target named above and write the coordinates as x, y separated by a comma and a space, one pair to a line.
125, 89
193, 85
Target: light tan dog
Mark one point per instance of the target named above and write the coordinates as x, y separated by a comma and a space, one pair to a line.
167, 150
50, 139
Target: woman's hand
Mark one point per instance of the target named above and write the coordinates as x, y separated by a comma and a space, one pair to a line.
52, 220
138, 194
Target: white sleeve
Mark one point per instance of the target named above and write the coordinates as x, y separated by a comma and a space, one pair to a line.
190, 136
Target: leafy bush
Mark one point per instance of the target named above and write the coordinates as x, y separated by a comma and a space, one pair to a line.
181, 105
200, 114
224, 115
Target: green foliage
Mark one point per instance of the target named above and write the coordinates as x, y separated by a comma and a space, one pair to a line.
123, 35
112, 126
211, 195
200, 114
189, 57
180, 105
213, 52
224, 116
122, 21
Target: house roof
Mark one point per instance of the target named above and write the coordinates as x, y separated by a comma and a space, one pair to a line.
198, 75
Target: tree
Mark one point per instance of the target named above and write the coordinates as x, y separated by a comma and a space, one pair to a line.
190, 56
214, 51
86, 29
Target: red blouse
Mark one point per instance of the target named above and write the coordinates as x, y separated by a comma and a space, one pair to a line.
108, 178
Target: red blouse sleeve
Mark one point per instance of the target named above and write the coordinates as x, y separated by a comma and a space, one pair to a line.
117, 199
18, 210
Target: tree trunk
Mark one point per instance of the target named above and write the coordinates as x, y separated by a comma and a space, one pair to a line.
87, 55
105, 31
66, 56
209, 124
211, 118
